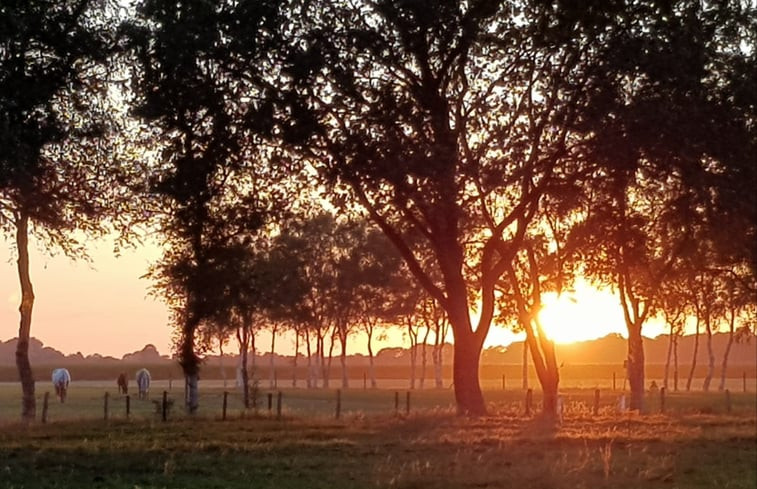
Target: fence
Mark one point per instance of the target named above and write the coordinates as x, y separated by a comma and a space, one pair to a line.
92, 402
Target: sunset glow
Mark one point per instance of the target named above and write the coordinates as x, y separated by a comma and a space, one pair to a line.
583, 314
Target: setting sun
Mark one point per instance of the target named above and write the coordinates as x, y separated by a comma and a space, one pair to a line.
583, 314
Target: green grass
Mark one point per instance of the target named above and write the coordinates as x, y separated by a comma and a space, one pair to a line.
86, 401
695, 444
423, 450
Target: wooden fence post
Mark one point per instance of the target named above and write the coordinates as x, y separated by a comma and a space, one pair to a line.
529, 400
727, 401
596, 402
45, 401
613, 381
407, 402
278, 405
503, 382
662, 400
225, 403
164, 406
396, 402
105, 406
338, 403
128, 407
270, 402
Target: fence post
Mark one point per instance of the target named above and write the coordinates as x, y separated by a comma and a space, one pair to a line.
407, 402
270, 402
225, 403
164, 407
278, 405
396, 402
128, 407
105, 406
503, 382
338, 403
596, 402
727, 401
45, 401
529, 400
613, 381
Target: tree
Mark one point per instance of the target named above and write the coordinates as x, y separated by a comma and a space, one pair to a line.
444, 120
56, 182
667, 137
209, 188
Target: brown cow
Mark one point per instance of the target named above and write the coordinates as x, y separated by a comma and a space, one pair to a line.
123, 384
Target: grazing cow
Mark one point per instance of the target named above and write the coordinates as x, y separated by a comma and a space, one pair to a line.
61, 379
143, 382
123, 384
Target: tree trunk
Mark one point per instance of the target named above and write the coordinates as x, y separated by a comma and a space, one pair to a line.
724, 365
272, 369
693, 356
710, 355
343, 361
667, 359
220, 361
190, 364
243, 337
465, 375
423, 358
193, 394
675, 364
296, 355
524, 372
436, 356
28, 402
371, 361
636, 367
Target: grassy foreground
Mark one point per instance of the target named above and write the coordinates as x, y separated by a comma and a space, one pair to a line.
427, 449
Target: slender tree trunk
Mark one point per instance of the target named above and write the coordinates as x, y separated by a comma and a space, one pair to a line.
413, 351
636, 367
296, 355
220, 361
694, 355
675, 364
190, 364
253, 350
309, 377
25, 375
244, 345
524, 373
724, 365
272, 370
667, 359
327, 364
371, 360
424, 358
710, 355
343, 360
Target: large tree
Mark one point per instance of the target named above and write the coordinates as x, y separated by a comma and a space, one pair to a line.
670, 139
56, 183
208, 180
445, 120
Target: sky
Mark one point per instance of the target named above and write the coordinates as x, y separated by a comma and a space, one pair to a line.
104, 307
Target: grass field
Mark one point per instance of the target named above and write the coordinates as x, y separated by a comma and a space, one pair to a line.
695, 444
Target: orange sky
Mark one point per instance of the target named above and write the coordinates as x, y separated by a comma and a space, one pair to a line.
103, 307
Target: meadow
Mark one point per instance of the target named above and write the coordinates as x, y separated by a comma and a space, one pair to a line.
696, 443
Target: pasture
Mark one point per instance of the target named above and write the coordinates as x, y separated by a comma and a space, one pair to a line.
695, 444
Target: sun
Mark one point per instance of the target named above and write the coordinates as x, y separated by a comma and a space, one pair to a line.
585, 313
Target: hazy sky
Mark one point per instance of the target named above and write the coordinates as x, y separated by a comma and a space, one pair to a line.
103, 307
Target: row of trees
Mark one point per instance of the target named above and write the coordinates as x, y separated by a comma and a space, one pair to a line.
501, 147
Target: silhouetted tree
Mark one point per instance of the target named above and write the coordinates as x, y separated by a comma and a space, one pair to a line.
57, 178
